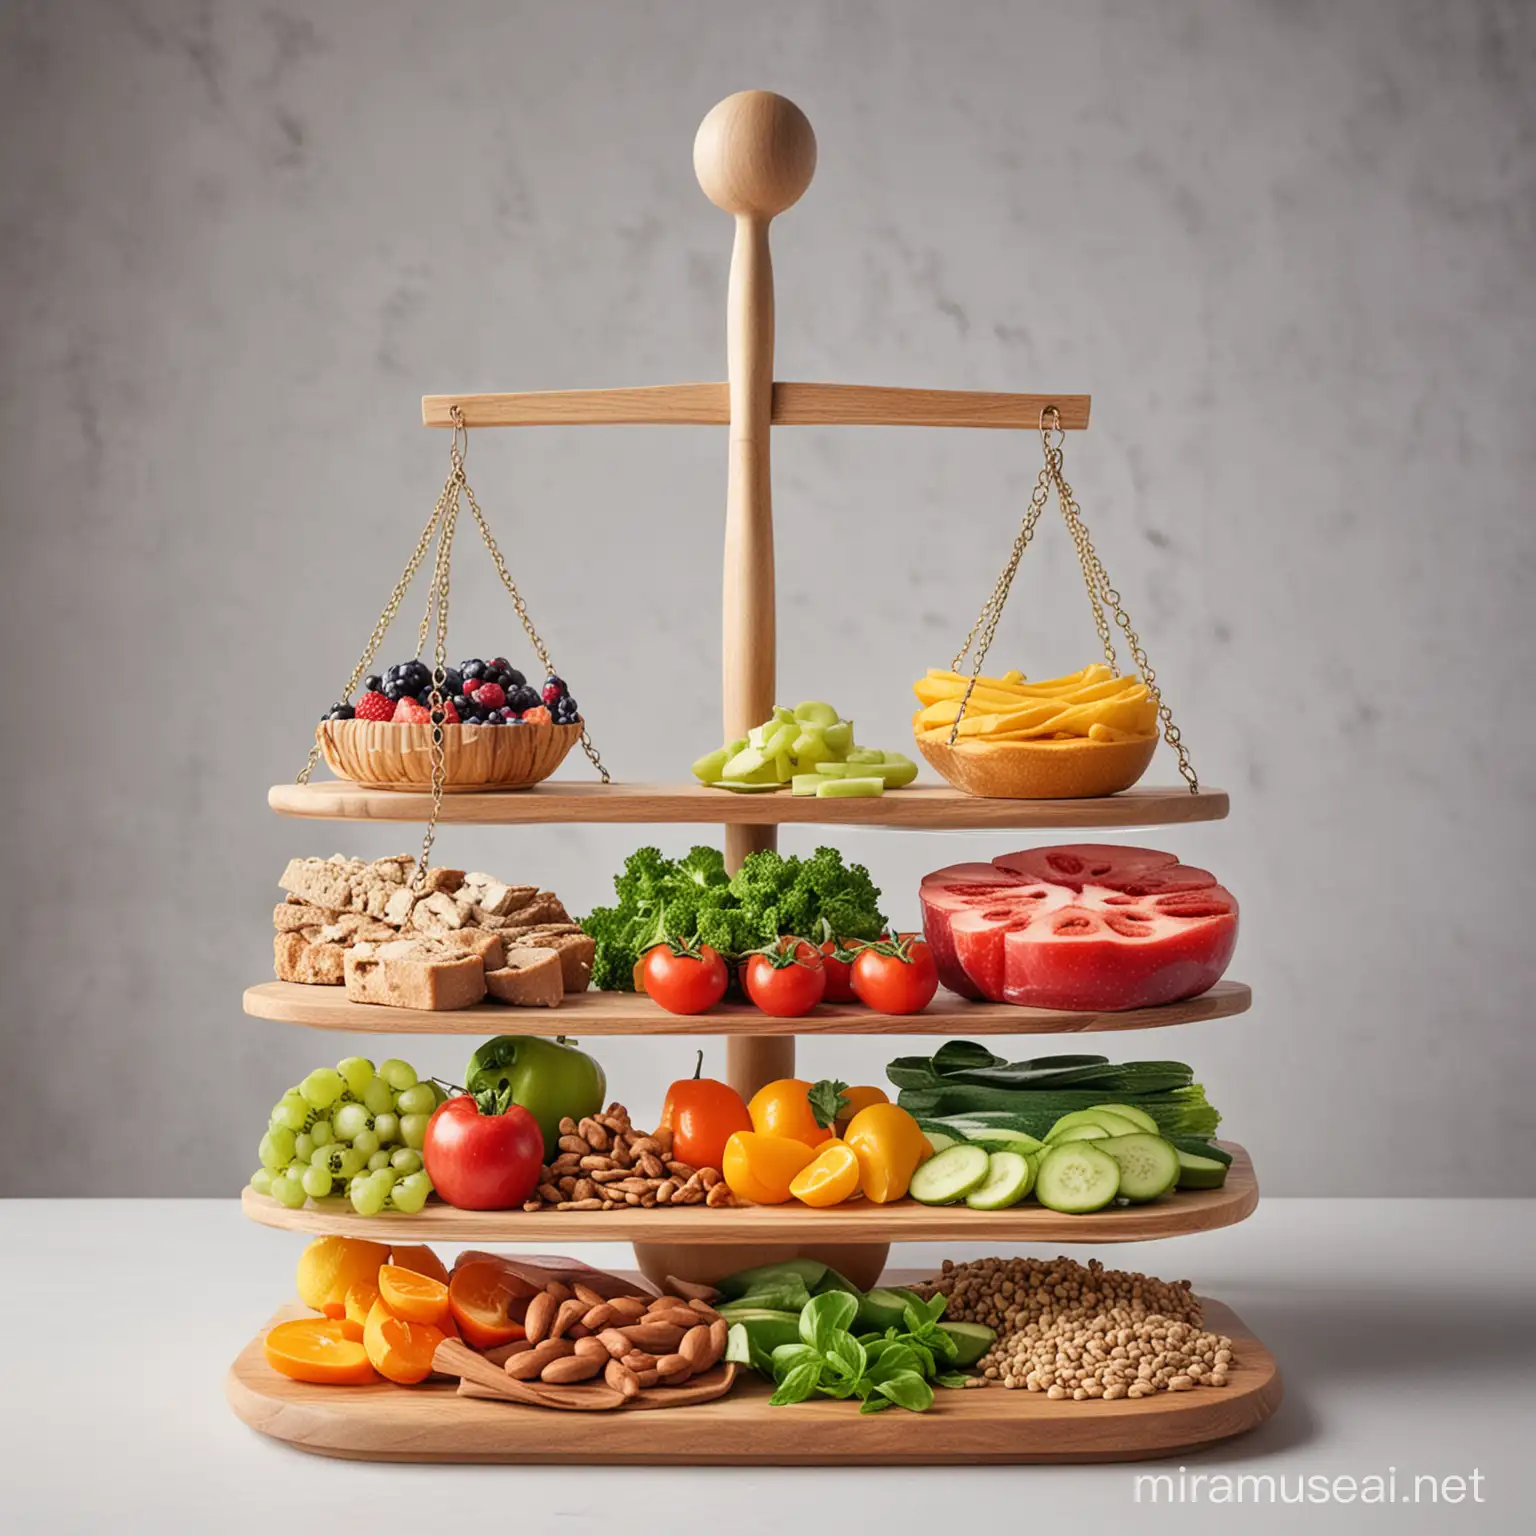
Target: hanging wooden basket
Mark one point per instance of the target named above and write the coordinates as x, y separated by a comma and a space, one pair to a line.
381, 755
1040, 770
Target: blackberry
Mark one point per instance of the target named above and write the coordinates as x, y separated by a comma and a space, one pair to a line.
523, 698
515, 679
473, 668
339, 712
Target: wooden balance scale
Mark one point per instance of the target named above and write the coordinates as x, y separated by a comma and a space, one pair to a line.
754, 156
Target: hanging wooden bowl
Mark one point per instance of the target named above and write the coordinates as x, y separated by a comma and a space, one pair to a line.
381, 755
1040, 770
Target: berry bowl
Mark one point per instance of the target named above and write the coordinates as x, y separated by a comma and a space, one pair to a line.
1039, 770
379, 754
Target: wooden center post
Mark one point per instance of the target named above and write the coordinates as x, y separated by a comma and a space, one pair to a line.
754, 156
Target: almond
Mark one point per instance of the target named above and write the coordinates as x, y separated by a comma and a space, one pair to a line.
718, 1332
616, 1343
621, 1378
679, 1317
630, 1308
646, 1378
639, 1360
694, 1349
653, 1336
588, 1295
559, 1290
691, 1289
672, 1369
599, 1317
704, 1310
572, 1368
571, 1311
526, 1366
595, 1348
539, 1316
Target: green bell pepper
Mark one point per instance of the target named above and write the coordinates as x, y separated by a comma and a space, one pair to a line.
549, 1078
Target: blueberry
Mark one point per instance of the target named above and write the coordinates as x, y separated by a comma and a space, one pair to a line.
474, 668
501, 663
492, 720
515, 679
524, 698
340, 712
374, 683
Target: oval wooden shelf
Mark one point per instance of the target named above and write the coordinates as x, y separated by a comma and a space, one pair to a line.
933, 806
624, 1013
432, 1423
903, 1221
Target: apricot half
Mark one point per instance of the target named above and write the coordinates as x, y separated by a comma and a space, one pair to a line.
319, 1349
416, 1298
399, 1349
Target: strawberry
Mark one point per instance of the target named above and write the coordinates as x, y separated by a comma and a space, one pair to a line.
374, 706
490, 696
409, 712
450, 714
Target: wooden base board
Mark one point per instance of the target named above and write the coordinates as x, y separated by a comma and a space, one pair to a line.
625, 1013
969, 1427
902, 1221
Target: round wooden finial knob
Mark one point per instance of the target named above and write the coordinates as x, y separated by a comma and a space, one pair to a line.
755, 153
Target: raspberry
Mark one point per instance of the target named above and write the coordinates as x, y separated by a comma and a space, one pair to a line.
554, 690
409, 712
490, 696
538, 715
374, 706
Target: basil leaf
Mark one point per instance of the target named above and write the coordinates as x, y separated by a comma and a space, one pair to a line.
786, 1293
835, 1385
874, 1404
936, 1305
846, 1354
925, 1365
826, 1315
941, 1342
895, 1360
915, 1319
907, 1390
952, 1379
797, 1386
787, 1356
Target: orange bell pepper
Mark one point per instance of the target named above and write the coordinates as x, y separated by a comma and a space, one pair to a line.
783, 1108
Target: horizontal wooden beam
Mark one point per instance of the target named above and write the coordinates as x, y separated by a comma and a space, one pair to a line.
794, 405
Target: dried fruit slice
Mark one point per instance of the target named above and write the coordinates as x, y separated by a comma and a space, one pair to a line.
319, 1349
399, 1349
416, 1298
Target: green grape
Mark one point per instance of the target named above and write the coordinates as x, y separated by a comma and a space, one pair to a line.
303, 1146
367, 1198
295, 1171
379, 1097
366, 1142
275, 1149
261, 1181
356, 1072
387, 1127
322, 1087
416, 1100
327, 1157
405, 1161
398, 1074
380, 1159
413, 1130
316, 1182
288, 1191
321, 1133
352, 1161
349, 1120
410, 1194
290, 1112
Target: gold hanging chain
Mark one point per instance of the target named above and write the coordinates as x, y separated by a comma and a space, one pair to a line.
440, 584
985, 626
1101, 595
386, 618
494, 550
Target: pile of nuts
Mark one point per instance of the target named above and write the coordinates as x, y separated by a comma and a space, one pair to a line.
572, 1334
604, 1163
1075, 1331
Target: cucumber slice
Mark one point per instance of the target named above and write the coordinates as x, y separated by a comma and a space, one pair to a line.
1076, 1178
1130, 1112
941, 1140
897, 775
780, 739
1111, 1123
1196, 1172
805, 783
709, 767
743, 788
850, 789
974, 1339
839, 735
1198, 1146
1149, 1166
949, 1175
1084, 1132
1003, 1140
865, 755
1009, 1178
838, 769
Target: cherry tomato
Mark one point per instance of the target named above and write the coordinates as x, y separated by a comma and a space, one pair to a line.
683, 979
480, 1159
789, 981
897, 976
703, 1114
839, 973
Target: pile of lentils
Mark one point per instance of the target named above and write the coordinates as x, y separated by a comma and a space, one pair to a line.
1077, 1331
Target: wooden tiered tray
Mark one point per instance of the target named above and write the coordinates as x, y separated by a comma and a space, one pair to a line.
902, 1221
625, 1013
929, 806
972, 1427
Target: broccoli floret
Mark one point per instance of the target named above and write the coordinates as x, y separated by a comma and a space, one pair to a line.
726, 930
704, 867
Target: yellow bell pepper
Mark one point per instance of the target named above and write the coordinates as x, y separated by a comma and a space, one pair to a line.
889, 1146
857, 1099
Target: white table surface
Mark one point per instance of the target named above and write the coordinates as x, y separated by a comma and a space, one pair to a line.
1406, 1332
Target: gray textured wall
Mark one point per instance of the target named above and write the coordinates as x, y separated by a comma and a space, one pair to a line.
1287, 246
